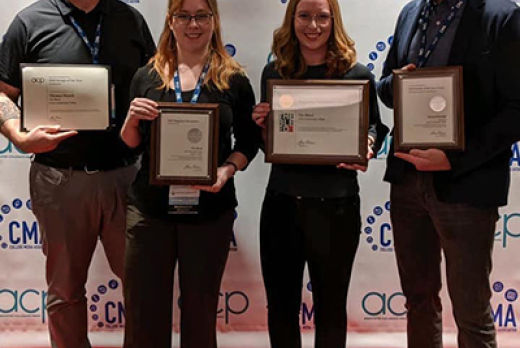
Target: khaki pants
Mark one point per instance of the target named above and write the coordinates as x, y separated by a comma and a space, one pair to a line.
75, 209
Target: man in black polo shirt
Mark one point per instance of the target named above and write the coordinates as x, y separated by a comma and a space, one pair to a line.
78, 181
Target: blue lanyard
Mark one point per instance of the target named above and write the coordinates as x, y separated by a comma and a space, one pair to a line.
198, 88
94, 48
424, 54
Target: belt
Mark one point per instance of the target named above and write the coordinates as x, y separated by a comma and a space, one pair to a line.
87, 167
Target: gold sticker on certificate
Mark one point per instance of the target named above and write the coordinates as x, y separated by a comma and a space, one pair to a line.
438, 103
286, 101
195, 135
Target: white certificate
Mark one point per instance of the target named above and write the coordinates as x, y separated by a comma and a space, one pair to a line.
317, 120
428, 110
184, 144
72, 96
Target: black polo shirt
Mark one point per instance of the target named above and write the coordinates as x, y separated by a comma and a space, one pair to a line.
43, 33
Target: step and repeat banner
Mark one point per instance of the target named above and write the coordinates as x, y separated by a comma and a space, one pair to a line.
376, 304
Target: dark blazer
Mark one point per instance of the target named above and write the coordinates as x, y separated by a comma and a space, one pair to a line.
487, 45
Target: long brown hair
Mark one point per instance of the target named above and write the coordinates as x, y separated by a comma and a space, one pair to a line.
222, 65
289, 62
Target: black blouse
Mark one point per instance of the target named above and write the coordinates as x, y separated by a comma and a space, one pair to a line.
236, 105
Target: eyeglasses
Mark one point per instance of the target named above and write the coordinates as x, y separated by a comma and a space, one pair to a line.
322, 19
200, 18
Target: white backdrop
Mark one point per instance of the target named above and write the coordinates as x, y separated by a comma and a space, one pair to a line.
376, 311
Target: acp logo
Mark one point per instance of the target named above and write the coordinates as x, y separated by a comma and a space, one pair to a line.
378, 230
514, 162
508, 229
8, 150
307, 312
504, 314
23, 303
106, 313
232, 303
18, 234
384, 306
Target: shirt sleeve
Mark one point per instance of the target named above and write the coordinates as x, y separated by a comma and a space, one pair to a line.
150, 47
247, 134
136, 91
13, 51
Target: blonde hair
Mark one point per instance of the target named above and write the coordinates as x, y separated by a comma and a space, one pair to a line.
221, 65
341, 53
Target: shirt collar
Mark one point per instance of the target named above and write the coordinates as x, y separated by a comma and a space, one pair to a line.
448, 3
66, 8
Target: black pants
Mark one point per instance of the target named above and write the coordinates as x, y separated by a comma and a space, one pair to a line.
422, 227
325, 234
153, 249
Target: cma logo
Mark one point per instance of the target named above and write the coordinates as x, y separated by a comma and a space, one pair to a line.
504, 314
18, 234
375, 54
8, 150
507, 225
514, 162
28, 303
37, 80
377, 305
307, 312
378, 229
107, 314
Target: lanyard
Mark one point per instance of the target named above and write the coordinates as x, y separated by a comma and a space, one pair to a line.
424, 54
94, 48
198, 88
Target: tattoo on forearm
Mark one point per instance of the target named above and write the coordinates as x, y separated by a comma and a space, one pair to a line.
8, 110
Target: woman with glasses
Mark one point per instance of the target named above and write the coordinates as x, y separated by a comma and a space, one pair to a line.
191, 65
311, 214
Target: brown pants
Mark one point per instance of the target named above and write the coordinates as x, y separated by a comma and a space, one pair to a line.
423, 227
75, 209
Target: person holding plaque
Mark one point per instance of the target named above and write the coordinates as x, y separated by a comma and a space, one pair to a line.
447, 201
191, 66
78, 179
311, 213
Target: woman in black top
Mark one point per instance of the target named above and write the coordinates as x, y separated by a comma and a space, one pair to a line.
159, 234
311, 214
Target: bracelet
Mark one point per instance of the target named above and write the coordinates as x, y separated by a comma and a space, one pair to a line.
233, 164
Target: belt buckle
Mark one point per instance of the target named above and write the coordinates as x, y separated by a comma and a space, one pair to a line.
90, 172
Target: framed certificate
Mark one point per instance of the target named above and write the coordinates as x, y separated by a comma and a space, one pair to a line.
184, 148
75, 97
317, 121
429, 109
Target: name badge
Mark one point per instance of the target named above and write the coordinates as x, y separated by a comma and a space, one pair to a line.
183, 200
